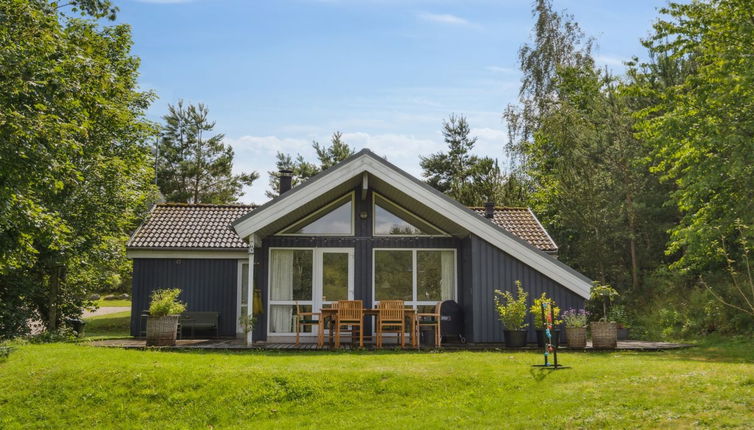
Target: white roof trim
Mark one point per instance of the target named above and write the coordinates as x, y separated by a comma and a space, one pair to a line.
366, 161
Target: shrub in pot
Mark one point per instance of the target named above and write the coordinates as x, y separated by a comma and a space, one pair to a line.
618, 314
512, 313
604, 331
539, 323
575, 327
164, 311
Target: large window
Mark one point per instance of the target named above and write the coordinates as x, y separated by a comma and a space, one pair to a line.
335, 219
421, 277
291, 275
392, 220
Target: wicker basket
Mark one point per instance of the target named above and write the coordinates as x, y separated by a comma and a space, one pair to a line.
604, 335
161, 331
576, 337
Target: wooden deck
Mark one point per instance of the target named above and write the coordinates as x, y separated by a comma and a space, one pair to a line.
236, 344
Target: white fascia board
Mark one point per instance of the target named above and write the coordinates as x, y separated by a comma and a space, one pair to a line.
187, 254
472, 222
313, 190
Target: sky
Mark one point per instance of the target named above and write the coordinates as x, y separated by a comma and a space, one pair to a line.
277, 75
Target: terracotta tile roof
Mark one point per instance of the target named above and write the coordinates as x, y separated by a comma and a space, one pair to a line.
205, 226
522, 223
197, 226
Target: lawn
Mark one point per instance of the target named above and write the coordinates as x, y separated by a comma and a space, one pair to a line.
75, 385
110, 325
113, 303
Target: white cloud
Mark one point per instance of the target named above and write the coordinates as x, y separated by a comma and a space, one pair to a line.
257, 153
443, 18
499, 69
609, 60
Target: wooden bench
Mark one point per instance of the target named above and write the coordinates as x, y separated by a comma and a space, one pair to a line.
199, 320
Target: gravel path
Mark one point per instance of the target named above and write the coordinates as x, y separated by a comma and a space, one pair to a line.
105, 310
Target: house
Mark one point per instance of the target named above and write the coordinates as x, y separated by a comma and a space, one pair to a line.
363, 229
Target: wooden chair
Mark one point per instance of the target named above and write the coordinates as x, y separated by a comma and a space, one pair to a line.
350, 313
391, 318
328, 324
305, 319
431, 320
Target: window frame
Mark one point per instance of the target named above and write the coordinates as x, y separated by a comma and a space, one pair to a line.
415, 275
328, 207
405, 211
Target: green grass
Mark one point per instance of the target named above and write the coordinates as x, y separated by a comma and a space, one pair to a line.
80, 386
110, 325
111, 303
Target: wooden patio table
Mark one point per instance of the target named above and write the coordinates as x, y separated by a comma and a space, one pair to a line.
330, 313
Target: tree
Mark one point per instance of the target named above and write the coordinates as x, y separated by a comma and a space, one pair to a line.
193, 167
470, 179
327, 156
76, 170
701, 123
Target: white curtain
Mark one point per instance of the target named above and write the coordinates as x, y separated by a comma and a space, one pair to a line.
281, 288
448, 275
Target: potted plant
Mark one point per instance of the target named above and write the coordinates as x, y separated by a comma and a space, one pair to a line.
539, 323
575, 327
164, 311
618, 314
604, 331
512, 313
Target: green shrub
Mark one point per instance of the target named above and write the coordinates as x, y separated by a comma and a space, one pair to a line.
5, 352
512, 311
165, 302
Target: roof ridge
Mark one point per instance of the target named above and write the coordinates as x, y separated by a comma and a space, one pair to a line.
206, 205
501, 207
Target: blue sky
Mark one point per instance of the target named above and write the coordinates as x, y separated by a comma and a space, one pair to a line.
278, 74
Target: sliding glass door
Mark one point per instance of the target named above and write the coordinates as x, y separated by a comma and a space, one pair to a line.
307, 277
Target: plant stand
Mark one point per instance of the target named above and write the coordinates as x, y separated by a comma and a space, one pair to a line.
550, 348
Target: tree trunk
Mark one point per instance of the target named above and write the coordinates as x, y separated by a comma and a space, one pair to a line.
632, 241
52, 313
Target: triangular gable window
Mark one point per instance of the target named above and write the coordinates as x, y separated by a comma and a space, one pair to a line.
335, 219
392, 220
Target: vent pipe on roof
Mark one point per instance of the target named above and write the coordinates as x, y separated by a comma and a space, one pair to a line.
285, 176
489, 209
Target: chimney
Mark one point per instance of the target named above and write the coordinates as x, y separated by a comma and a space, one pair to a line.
489, 209
285, 176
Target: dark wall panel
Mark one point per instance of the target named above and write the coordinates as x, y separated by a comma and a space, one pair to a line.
493, 269
206, 284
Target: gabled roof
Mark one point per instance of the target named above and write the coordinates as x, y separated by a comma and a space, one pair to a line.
367, 165
190, 226
202, 226
523, 224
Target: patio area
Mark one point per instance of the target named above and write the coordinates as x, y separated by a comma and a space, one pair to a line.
238, 344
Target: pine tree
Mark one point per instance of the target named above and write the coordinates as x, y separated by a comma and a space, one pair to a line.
327, 156
194, 166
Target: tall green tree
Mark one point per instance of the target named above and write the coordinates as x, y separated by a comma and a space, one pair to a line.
468, 178
194, 166
701, 125
76, 169
327, 156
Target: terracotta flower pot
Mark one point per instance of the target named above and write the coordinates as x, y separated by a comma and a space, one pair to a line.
576, 337
604, 335
162, 331
514, 338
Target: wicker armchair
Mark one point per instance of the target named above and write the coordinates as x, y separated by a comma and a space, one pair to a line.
431, 320
303, 319
391, 318
350, 314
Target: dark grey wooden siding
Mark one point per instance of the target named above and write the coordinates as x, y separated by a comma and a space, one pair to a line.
206, 284
491, 269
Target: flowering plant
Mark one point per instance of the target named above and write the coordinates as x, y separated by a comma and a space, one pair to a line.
536, 310
575, 318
